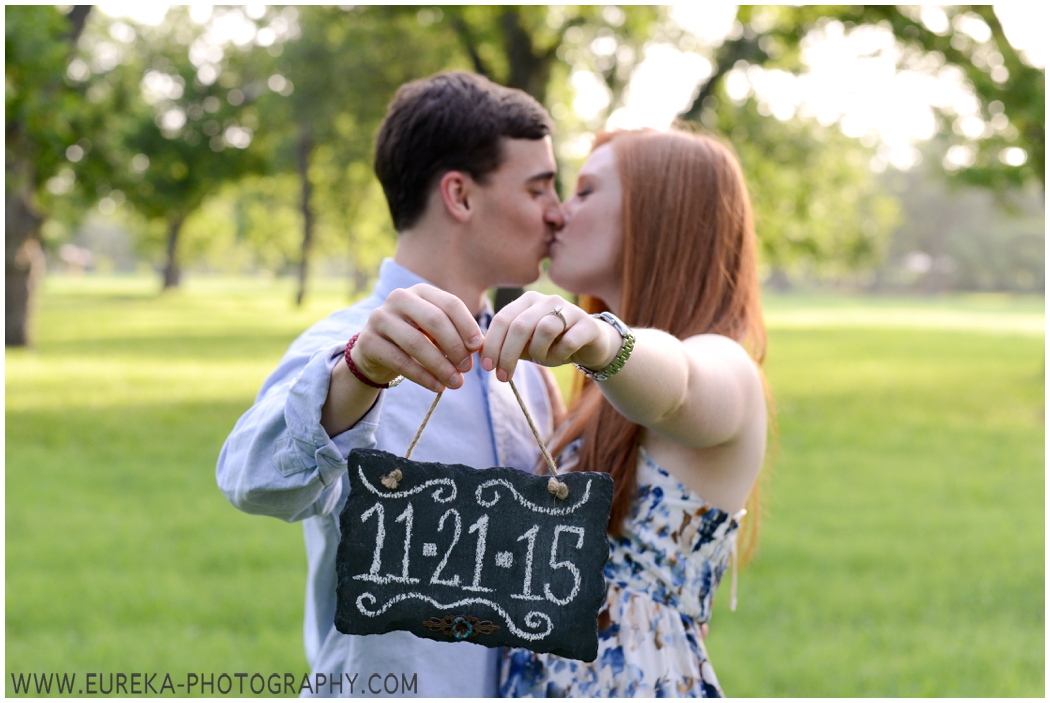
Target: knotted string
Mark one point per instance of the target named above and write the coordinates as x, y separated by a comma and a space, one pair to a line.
556, 487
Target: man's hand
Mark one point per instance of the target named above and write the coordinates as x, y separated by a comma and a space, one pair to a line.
422, 333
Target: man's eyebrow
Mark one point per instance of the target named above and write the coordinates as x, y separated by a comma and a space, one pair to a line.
545, 176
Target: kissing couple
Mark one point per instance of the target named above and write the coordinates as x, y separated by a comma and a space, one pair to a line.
657, 241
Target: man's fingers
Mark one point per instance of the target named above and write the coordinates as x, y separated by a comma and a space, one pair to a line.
442, 317
464, 324
419, 347
412, 343
392, 357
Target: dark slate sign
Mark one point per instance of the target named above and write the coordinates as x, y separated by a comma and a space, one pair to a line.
458, 554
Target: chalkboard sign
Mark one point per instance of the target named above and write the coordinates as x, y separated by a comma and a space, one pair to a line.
458, 554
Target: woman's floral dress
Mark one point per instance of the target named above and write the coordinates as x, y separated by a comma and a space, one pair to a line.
662, 575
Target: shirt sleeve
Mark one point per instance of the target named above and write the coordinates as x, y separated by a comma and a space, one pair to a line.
278, 460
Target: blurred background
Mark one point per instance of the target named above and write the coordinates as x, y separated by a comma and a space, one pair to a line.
188, 188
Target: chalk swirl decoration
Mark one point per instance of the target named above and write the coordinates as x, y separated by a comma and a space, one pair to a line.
523, 500
533, 620
438, 495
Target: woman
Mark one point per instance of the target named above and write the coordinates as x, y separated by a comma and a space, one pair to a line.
659, 233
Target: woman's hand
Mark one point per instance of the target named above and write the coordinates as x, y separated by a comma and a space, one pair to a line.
528, 329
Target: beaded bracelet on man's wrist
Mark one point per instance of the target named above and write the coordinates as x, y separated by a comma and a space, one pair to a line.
357, 372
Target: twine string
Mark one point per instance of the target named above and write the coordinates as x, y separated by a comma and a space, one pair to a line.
419, 432
535, 432
556, 487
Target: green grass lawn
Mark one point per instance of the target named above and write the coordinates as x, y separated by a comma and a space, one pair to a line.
903, 539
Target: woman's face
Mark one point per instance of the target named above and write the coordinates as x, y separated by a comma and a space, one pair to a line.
585, 251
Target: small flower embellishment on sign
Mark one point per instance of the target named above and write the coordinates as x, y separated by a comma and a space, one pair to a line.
461, 627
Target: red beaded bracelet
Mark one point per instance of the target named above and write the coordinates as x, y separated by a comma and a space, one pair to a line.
357, 372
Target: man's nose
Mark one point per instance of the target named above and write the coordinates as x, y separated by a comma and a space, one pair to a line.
554, 215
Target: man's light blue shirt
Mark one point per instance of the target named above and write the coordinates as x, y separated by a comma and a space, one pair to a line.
279, 461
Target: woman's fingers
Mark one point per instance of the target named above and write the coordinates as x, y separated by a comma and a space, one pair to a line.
500, 327
548, 329
529, 329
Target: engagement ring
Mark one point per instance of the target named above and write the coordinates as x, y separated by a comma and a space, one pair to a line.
557, 312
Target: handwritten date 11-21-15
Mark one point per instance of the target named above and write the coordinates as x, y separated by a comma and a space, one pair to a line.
527, 572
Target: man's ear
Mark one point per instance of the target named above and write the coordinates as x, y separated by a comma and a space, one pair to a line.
457, 191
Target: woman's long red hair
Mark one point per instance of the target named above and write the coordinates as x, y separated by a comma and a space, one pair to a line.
688, 267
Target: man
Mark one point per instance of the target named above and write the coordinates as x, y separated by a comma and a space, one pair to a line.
468, 172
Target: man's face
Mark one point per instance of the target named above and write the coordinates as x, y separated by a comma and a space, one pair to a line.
517, 214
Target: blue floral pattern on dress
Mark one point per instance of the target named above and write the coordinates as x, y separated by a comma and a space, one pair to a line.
662, 575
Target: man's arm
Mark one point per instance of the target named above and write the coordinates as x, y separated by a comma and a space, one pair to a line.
422, 333
287, 455
279, 460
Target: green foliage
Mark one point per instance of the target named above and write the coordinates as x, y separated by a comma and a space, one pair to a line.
902, 549
816, 202
41, 109
525, 46
346, 65
169, 138
250, 225
255, 224
1011, 92
1004, 83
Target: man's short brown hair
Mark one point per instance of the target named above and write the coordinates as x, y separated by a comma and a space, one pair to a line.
449, 122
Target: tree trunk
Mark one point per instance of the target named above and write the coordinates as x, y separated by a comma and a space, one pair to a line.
744, 49
77, 19
527, 70
172, 273
24, 266
302, 158
24, 261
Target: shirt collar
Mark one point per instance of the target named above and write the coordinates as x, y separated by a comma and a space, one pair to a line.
393, 275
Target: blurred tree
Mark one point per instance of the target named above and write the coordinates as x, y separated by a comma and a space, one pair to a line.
180, 118
1008, 150
41, 114
816, 202
521, 46
328, 125
960, 238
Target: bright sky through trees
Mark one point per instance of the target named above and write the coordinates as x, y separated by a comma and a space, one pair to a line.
851, 79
